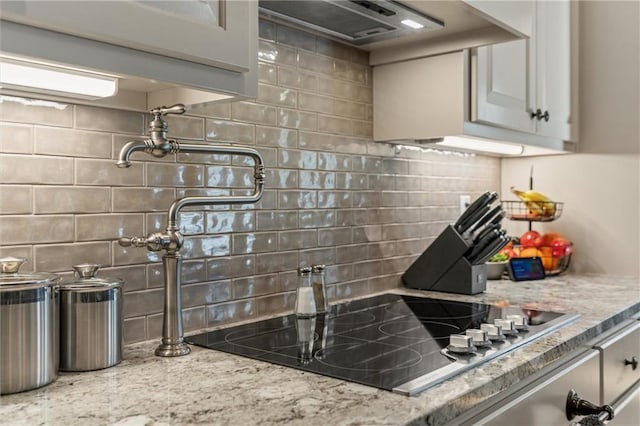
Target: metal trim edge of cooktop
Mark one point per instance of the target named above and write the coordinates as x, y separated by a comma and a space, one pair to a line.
420, 384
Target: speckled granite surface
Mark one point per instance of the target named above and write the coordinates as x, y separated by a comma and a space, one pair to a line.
210, 387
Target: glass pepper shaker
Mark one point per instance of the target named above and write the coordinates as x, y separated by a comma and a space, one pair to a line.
319, 288
305, 301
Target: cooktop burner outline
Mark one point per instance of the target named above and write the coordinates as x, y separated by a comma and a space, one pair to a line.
390, 341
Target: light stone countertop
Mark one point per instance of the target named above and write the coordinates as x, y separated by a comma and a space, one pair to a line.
210, 387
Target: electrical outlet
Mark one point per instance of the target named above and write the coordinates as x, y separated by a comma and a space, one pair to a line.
465, 201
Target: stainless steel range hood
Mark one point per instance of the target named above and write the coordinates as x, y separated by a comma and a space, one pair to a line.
358, 22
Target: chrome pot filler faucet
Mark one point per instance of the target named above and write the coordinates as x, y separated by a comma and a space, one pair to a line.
171, 239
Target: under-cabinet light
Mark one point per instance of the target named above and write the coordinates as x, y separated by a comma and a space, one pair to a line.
481, 145
412, 24
48, 79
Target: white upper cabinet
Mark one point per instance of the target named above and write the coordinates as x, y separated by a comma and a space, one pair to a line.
165, 51
525, 85
206, 32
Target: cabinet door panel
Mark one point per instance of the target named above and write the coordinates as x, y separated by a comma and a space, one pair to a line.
553, 65
208, 32
544, 404
503, 85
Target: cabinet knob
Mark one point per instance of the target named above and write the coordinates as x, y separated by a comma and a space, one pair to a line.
539, 115
581, 407
633, 362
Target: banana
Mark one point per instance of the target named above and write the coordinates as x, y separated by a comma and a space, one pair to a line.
537, 202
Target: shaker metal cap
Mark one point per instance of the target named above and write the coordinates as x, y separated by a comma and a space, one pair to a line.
317, 268
85, 279
11, 279
304, 270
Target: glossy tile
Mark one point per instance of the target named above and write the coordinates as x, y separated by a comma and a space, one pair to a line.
259, 242
183, 126
105, 173
317, 218
223, 222
135, 330
72, 143
334, 237
206, 293
297, 119
36, 170
279, 96
299, 79
277, 54
267, 30
60, 257
16, 199
298, 239
16, 138
35, 111
252, 113
230, 131
142, 199
109, 120
296, 38
273, 136
272, 221
317, 180
15, 230
216, 110
159, 174
276, 262
297, 199
57, 199
297, 159
230, 267
334, 199
254, 286
224, 313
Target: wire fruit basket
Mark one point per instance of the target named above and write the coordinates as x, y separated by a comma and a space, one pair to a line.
555, 259
532, 211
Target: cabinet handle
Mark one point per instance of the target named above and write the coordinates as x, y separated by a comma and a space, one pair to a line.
633, 362
539, 115
581, 407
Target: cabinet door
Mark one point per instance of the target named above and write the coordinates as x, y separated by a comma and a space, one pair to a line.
553, 67
505, 85
212, 32
544, 402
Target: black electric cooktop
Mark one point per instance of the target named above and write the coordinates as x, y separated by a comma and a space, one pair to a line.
394, 342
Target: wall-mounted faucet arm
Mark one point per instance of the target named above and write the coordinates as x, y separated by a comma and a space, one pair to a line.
259, 175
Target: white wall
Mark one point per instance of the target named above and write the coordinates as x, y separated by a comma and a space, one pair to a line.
600, 186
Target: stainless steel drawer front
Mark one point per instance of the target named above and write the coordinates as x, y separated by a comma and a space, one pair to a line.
617, 353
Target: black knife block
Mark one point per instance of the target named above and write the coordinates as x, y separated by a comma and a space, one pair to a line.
443, 267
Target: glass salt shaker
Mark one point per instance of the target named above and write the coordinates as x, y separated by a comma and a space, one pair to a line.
319, 288
305, 301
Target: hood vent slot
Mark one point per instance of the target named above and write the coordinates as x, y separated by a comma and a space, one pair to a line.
358, 22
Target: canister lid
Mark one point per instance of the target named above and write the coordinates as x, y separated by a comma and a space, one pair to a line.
85, 279
11, 279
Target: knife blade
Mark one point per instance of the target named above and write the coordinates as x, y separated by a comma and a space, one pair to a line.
483, 200
486, 218
477, 215
492, 250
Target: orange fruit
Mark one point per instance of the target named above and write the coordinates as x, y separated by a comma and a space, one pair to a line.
548, 261
530, 252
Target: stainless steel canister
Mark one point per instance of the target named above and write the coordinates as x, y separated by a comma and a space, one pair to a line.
28, 328
90, 321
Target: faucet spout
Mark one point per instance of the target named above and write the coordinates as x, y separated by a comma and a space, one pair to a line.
129, 148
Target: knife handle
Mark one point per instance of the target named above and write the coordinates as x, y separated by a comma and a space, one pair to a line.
482, 199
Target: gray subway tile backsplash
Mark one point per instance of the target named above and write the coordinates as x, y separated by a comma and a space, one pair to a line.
333, 195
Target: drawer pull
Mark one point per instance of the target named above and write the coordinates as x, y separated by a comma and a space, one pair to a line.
633, 362
581, 407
